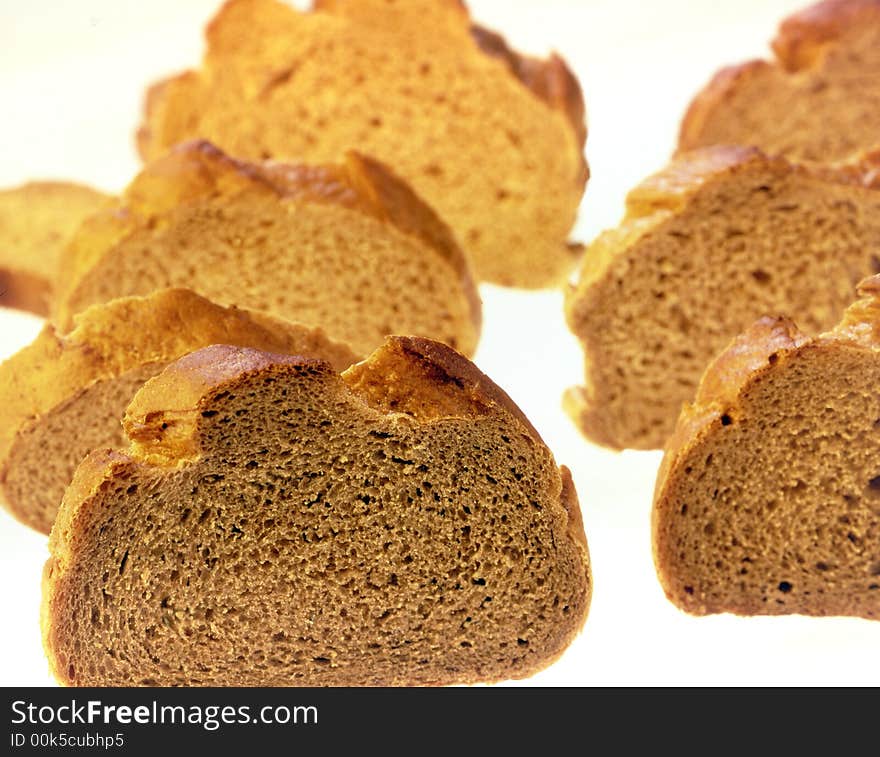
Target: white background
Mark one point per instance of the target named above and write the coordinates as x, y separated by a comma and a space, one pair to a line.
71, 81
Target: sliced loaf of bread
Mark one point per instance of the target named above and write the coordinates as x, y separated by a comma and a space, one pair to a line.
37, 220
274, 523
719, 238
818, 101
65, 394
345, 247
768, 499
491, 139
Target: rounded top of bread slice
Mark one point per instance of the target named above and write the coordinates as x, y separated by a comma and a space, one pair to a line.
818, 101
491, 139
36, 220
347, 247
65, 394
716, 239
276, 523
767, 498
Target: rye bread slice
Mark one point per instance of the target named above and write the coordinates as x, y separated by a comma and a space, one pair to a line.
491, 139
65, 394
819, 100
768, 498
348, 247
720, 237
275, 523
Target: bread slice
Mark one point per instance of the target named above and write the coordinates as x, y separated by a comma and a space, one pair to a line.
274, 523
36, 220
491, 139
347, 247
768, 499
819, 100
65, 395
720, 237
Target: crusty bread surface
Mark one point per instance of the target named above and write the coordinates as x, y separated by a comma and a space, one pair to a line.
275, 523
720, 237
491, 139
348, 248
818, 100
768, 498
65, 394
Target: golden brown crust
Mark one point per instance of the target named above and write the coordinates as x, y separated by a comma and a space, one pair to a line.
717, 91
800, 45
748, 356
165, 422
675, 184
767, 346
22, 290
752, 354
394, 201
454, 385
154, 99
162, 419
198, 169
36, 220
550, 134
91, 475
802, 37
650, 207
551, 80
861, 321
112, 339
688, 173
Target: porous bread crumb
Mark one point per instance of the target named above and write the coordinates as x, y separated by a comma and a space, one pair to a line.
768, 499
276, 524
36, 220
348, 248
720, 237
65, 394
491, 139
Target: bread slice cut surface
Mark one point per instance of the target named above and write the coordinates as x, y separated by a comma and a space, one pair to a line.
37, 220
65, 394
720, 237
491, 139
348, 247
768, 499
817, 101
275, 523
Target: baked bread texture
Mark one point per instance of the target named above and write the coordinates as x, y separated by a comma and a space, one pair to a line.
819, 100
345, 247
65, 394
768, 498
491, 139
274, 523
36, 220
720, 237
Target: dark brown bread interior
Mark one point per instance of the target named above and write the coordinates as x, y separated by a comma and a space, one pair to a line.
717, 239
276, 524
65, 394
768, 500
